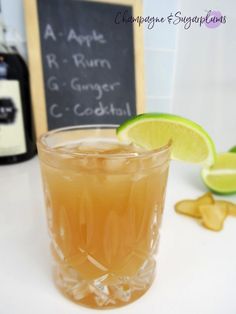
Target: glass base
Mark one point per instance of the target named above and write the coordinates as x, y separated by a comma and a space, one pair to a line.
107, 291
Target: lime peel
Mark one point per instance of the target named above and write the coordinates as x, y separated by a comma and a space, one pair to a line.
221, 177
233, 149
190, 142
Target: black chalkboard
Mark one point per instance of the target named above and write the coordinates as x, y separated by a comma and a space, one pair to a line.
88, 62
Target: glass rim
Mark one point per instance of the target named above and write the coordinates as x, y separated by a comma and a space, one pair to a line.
42, 144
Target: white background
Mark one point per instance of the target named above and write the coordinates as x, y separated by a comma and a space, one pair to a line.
188, 72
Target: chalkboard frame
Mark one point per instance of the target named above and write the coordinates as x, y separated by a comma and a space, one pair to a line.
36, 66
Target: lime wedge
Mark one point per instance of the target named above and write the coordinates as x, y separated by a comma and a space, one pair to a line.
233, 149
221, 177
190, 142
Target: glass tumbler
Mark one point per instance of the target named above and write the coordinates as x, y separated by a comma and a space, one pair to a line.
104, 202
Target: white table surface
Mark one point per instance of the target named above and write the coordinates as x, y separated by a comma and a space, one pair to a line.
196, 267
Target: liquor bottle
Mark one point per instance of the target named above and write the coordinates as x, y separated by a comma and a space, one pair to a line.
17, 141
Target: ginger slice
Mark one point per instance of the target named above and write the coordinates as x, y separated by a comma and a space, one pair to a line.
230, 206
188, 207
211, 212
213, 216
191, 207
205, 199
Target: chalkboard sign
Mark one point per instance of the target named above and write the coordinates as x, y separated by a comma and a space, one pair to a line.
86, 64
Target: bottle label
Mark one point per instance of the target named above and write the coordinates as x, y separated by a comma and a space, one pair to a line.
12, 132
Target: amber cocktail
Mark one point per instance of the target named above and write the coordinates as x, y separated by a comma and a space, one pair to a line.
104, 204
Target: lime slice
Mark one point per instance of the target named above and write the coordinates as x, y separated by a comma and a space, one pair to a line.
190, 142
221, 177
233, 149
